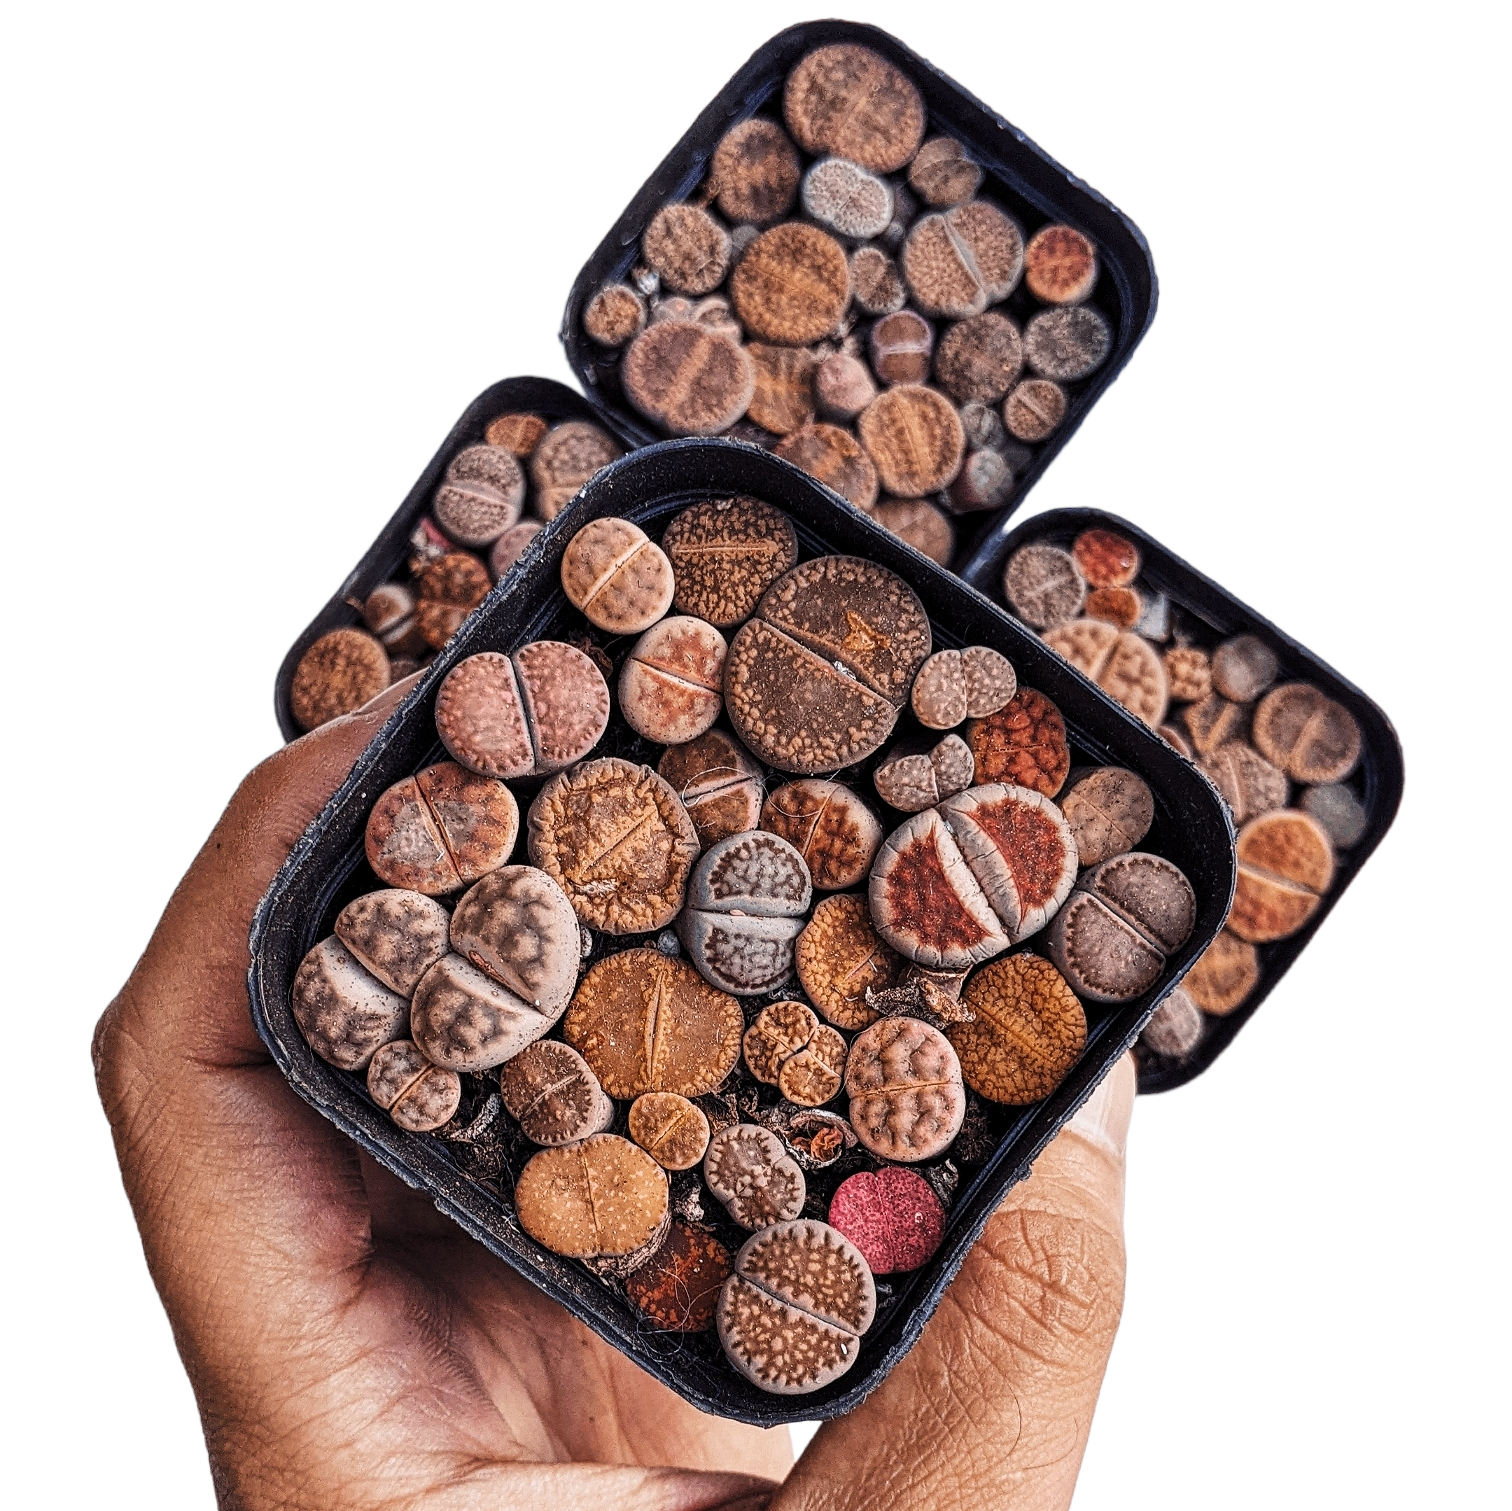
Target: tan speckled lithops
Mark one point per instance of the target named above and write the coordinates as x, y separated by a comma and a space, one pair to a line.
564, 459
344, 1013
923, 525
418, 1096
904, 1084
1028, 1030
480, 496
617, 575
517, 926
691, 379
829, 826
1044, 585
617, 841
759, 1183
649, 1022
1312, 738
1224, 975
1123, 664
1067, 344
911, 781
1189, 673
600, 1197
448, 590
960, 261
965, 684
1286, 864
718, 782
789, 1048
914, 437
549, 1088
784, 398
397, 934
687, 248
841, 957
1249, 784
673, 1131
338, 674
792, 285
851, 101
726, 552
1109, 809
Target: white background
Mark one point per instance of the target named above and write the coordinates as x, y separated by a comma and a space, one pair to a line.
256, 260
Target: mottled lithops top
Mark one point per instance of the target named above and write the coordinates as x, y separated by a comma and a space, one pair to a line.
444, 827
343, 1011
756, 873
1024, 742
617, 840
549, 1089
851, 101
1027, 1032
397, 934
907, 1101
841, 959
816, 680
830, 827
518, 927
759, 1183
603, 1196
617, 576
726, 552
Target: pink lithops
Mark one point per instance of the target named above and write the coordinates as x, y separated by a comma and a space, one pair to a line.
892, 1216
398, 935
670, 688
792, 1315
907, 1099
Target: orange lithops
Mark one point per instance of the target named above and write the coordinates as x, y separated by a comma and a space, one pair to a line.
840, 957
1028, 1031
1285, 865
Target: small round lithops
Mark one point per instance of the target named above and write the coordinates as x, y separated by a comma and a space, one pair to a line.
646, 1021
617, 575
719, 784
340, 672
670, 1128
912, 780
842, 959
512, 545
677, 1289
1247, 782
902, 347
517, 926
914, 437
602, 1197
746, 902
784, 399
958, 262
755, 172
1224, 975
1309, 736
846, 199
843, 386
440, 829
1243, 668
1214, 722
687, 249
850, 101
564, 459
1286, 864
344, 1012
907, 1100
1189, 673
389, 612
829, 825
527, 714
447, 591
943, 174
979, 359
670, 684
418, 1095
834, 456
923, 525
1024, 742
1175, 1027
876, 282
792, 285
1113, 935
617, 840
615, 315
984, 481
396, 934
1060, 265
481, 495
789, 1048
1125, 665
519, 434
891, 1215
1028, 1030
1338, 812
1109, 809
688, 378
550, 1091
1044, 586
1122, 607
725, 553
1067, 344
953, 686
754, 1177
1034, 410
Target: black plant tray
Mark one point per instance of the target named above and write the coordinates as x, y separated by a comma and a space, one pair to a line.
387, 555
1020, 176
327, 868
1377, 780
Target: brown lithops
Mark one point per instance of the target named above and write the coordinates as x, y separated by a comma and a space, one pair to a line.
842, 959
755, 1178
876, 282
1286, 864
518, 434
979, 359
615, 315
1248, 783
816, 680
943, 174
791, 1317
441, 829
1108, 809
914, 437
600, 1197
1123, 607
646, 1021
920, 524
1243, 668
447, 591
850, 101
843, 386
669, 1128
481, 495
1067, 344
912, 780
784, 398
340, 672
1034, 410
564, 459
844, 198
1214, 722
1126, 666
789, 1048
1024, 742
617, 575
902, 347
792, 285
1224, 975
755, 172
1028, 1031
553, 1095
719, 784
670, 684
687, 249
528, 714
1175, 1028
1189, 673
677, 1289
725, 553
953, 686
836, 458
396, 934
959, 262
1309, 736
831, 828
1060, 265
1044, 585
344, 1012
618, 842
903, 1079
418, 1096
517, 926
689, 379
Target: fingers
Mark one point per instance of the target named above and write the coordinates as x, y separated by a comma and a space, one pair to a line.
994, 1404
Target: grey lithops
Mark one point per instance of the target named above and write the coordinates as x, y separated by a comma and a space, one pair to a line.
465, 1020
1175, 1028
553, 1095
518, 926
397, 934
417, 1094
759, 1183
344, 1012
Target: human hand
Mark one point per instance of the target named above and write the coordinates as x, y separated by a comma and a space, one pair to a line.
351, 1348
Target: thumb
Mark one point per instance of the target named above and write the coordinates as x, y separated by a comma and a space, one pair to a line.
994, 1403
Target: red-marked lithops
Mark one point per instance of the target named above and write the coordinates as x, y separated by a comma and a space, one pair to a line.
912, 780
791, 1317
1027, 1030
891, 1215
344, 1012
1106, 558
789, 1048
1024, 742
1113, 935
617, 575
755, 1178
338, 674
962, 260
842, 961
600, 1198
755, 172
1060, 265
534, 712
517, 926
564, 459
1123, 607
551, 1091
439, 830
956, 685
396, 934
1044, 585
481, 495
677, 1289
418, 1095
831, 828
1068, 343
1309, 736
851, 101
846, 199
907, 1099
745, 909
1109, 809
670, 685
448, 590
1175, 1027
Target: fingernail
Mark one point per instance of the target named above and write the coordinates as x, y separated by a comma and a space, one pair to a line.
391, 696
1103, 1119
